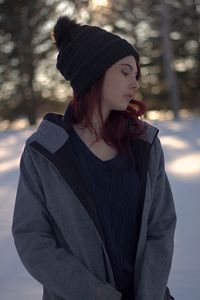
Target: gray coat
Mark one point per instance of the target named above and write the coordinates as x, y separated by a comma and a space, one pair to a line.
56, 228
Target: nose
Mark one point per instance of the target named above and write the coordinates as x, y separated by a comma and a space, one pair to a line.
134, 83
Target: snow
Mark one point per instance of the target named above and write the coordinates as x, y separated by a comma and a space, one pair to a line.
181, 145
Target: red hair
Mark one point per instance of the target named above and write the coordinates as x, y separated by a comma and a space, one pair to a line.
115, 129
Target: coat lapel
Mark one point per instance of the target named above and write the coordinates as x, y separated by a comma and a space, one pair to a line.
65, 161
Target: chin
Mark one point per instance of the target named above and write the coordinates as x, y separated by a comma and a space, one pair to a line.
121, 108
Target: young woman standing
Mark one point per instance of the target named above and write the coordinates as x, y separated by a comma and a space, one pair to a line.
94, 214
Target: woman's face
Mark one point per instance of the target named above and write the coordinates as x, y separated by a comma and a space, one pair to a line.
120, 85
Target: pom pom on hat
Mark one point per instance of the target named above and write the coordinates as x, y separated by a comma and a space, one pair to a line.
63, 30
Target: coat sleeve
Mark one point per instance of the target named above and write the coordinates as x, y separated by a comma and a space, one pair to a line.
55, 268
159, 246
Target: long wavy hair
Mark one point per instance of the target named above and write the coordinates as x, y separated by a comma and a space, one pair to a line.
120, 128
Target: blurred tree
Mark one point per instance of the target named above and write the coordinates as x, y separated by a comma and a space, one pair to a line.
186, 39
24, 43
168, 56
28, 77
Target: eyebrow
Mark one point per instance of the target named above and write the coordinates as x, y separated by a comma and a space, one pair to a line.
128, 66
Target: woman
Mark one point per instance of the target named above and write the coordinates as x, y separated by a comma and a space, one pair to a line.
94, 215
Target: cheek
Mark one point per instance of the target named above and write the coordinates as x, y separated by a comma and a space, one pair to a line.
110, 91
113, 85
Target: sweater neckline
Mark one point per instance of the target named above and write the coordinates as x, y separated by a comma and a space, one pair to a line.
93, 156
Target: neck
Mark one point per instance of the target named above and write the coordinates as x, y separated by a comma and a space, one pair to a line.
85, 133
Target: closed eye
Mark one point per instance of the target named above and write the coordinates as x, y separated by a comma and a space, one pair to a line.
126, 74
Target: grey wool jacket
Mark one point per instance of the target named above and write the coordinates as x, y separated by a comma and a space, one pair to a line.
56, 226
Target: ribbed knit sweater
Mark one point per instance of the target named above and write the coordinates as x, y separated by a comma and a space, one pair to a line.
115, 186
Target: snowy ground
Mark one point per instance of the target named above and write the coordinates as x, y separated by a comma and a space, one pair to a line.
181, 144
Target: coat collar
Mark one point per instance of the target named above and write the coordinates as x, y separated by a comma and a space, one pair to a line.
54, 131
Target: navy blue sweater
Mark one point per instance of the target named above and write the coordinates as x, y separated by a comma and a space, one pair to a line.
115, 186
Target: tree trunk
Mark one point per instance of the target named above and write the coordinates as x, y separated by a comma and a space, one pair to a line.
168, 57
26, 66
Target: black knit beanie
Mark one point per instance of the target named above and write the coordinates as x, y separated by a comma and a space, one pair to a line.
86, 52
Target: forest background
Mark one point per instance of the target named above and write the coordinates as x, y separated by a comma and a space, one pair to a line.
166, 33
